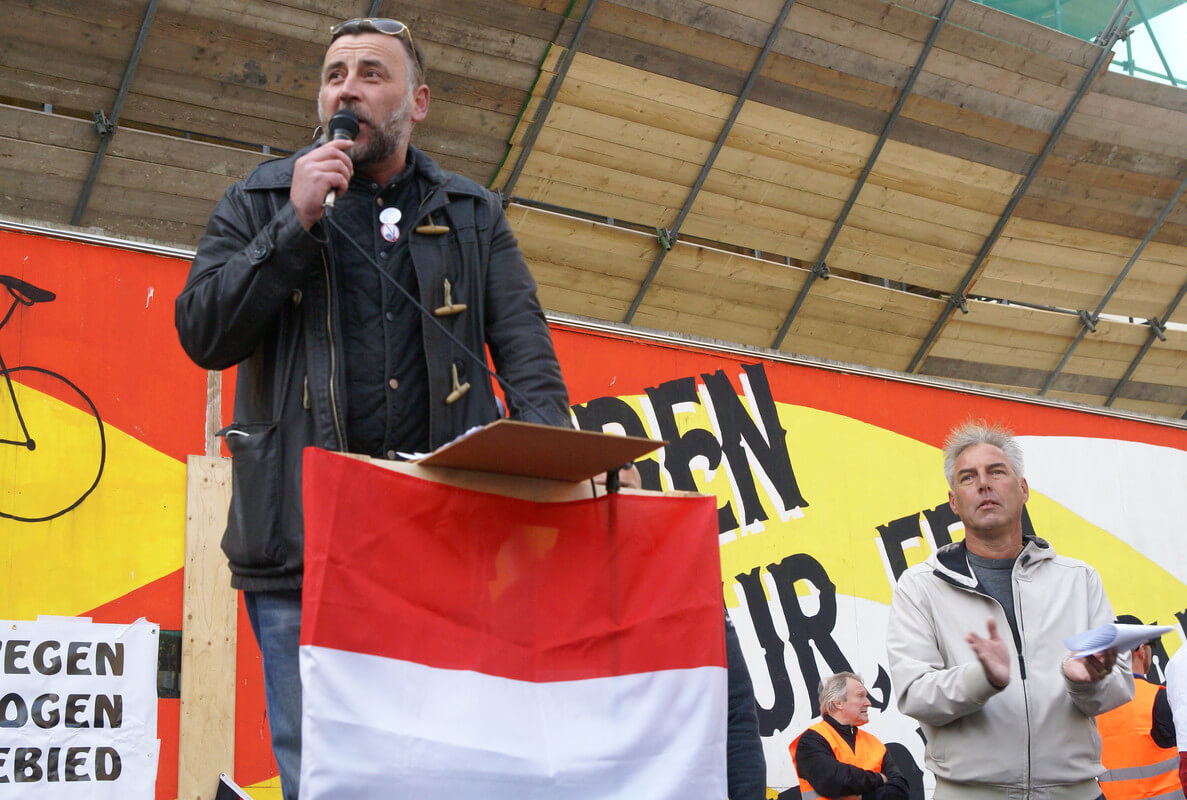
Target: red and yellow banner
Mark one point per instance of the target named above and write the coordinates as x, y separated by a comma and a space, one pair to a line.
828, 485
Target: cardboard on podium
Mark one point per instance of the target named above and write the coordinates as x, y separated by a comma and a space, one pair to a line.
509, 447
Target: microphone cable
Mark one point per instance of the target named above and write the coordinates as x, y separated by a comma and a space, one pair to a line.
425, 313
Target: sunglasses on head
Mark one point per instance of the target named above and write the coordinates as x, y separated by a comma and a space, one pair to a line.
390, 27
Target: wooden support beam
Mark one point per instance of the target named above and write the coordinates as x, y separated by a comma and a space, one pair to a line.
206, 741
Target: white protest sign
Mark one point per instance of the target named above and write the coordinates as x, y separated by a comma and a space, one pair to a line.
78, 709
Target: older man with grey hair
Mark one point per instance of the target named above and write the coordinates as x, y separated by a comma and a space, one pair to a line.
833, 758
1004, 717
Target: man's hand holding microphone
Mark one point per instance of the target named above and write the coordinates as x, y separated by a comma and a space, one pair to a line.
324, 172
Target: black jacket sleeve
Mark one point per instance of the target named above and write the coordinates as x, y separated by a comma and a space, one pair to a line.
517, 332
1162, 727
897, 787
745, 766
240, 279
815, 763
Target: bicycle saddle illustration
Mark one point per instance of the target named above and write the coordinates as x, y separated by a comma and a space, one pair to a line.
25, 292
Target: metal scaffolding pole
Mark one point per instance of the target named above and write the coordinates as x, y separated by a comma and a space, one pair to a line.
1088, 321
549, 97
957, 300
820, 268
667, 238
106, 126
1157, 331
1157, 48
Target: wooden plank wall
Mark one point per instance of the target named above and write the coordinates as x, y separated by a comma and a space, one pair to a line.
635, 119
244, 74
629, 133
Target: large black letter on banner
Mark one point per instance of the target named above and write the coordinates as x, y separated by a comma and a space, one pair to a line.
770, 452
778, 716
682, 449
817, 628
602, 411
897, 532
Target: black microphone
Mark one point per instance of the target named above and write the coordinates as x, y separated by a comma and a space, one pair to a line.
343, 125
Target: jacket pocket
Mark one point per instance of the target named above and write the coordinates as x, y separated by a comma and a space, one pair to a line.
253, 535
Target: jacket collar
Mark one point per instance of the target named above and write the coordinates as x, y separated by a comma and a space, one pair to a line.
951, 562
849, 730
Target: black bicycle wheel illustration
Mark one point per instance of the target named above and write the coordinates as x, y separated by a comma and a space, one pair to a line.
69, 449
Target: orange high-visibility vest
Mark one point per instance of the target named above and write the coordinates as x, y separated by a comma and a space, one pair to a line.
1136, 768
867, 753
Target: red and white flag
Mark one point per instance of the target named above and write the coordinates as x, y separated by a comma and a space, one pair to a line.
459, 644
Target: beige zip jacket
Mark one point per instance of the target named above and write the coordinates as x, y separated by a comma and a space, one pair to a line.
1034, 740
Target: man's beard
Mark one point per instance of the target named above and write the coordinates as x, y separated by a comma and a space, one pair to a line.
386, 139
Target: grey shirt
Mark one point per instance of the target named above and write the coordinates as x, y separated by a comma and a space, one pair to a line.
994, 576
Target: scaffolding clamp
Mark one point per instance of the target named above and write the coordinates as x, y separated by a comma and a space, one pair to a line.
1158, 327
821, 270
1088, 319
958, 300
666, 238
103, 125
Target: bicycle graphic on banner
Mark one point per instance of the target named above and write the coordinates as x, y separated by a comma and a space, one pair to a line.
49, 462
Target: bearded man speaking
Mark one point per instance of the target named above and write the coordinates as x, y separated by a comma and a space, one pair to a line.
315, 309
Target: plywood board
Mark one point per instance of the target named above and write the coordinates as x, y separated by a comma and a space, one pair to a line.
207, 731
509, 447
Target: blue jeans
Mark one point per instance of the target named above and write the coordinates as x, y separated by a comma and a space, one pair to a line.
276, 621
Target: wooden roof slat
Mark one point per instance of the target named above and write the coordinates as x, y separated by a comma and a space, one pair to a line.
768, 278
957, 297
595, 201
1116, 84
1113, 222
896, 201
1134, 114
304, 21
973, 124
1000, 25
655, 100
1140, 302
1155, 140
707, 327
820, 266
1164, 363
822, 337
1080, 167
673, 230
683, 293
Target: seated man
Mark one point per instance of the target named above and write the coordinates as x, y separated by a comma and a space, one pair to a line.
834, 759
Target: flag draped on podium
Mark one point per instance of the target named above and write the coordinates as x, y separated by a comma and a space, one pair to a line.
461, 644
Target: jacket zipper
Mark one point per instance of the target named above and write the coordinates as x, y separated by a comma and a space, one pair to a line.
333, 359
1017, 636
1022, 674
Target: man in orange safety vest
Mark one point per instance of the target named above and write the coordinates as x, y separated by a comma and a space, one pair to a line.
1138, 739
834, 759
